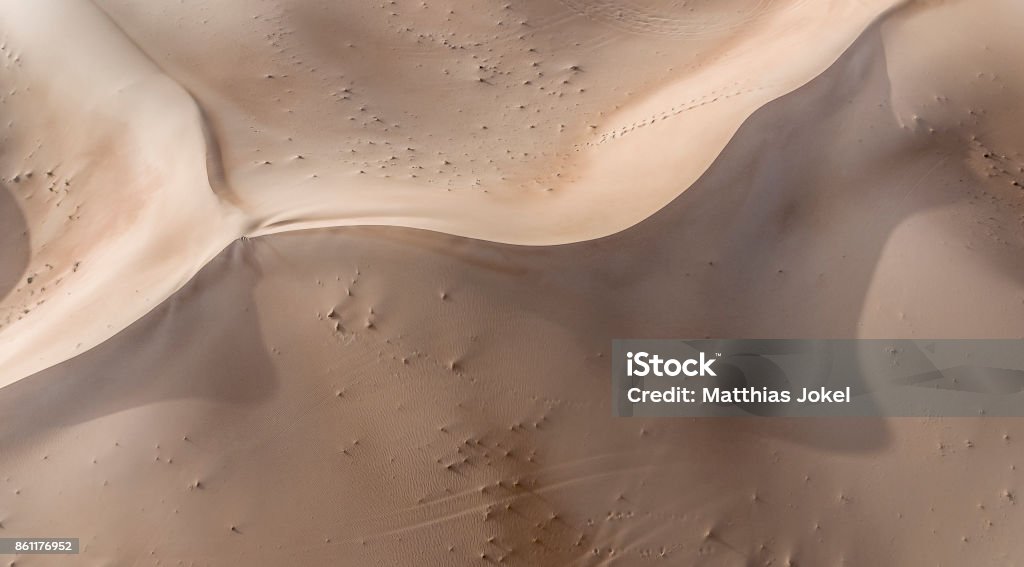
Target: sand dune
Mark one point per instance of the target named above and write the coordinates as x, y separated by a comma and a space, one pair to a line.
386, 395
513, 122
522, 124
105, 159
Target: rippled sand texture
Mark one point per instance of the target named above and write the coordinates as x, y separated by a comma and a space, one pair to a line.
392, 396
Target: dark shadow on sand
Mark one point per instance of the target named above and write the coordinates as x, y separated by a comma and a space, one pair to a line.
14, 243
203, 343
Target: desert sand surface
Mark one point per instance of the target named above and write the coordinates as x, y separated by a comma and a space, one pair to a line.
200, 383
133, 123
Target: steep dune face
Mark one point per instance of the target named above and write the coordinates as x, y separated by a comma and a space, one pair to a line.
386, 396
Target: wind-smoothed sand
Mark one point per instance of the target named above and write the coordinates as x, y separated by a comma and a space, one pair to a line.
385, 395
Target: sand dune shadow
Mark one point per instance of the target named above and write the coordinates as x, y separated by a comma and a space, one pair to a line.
14, 243
207, 339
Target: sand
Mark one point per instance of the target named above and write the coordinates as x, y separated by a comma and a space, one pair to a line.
390, 395
523, 124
